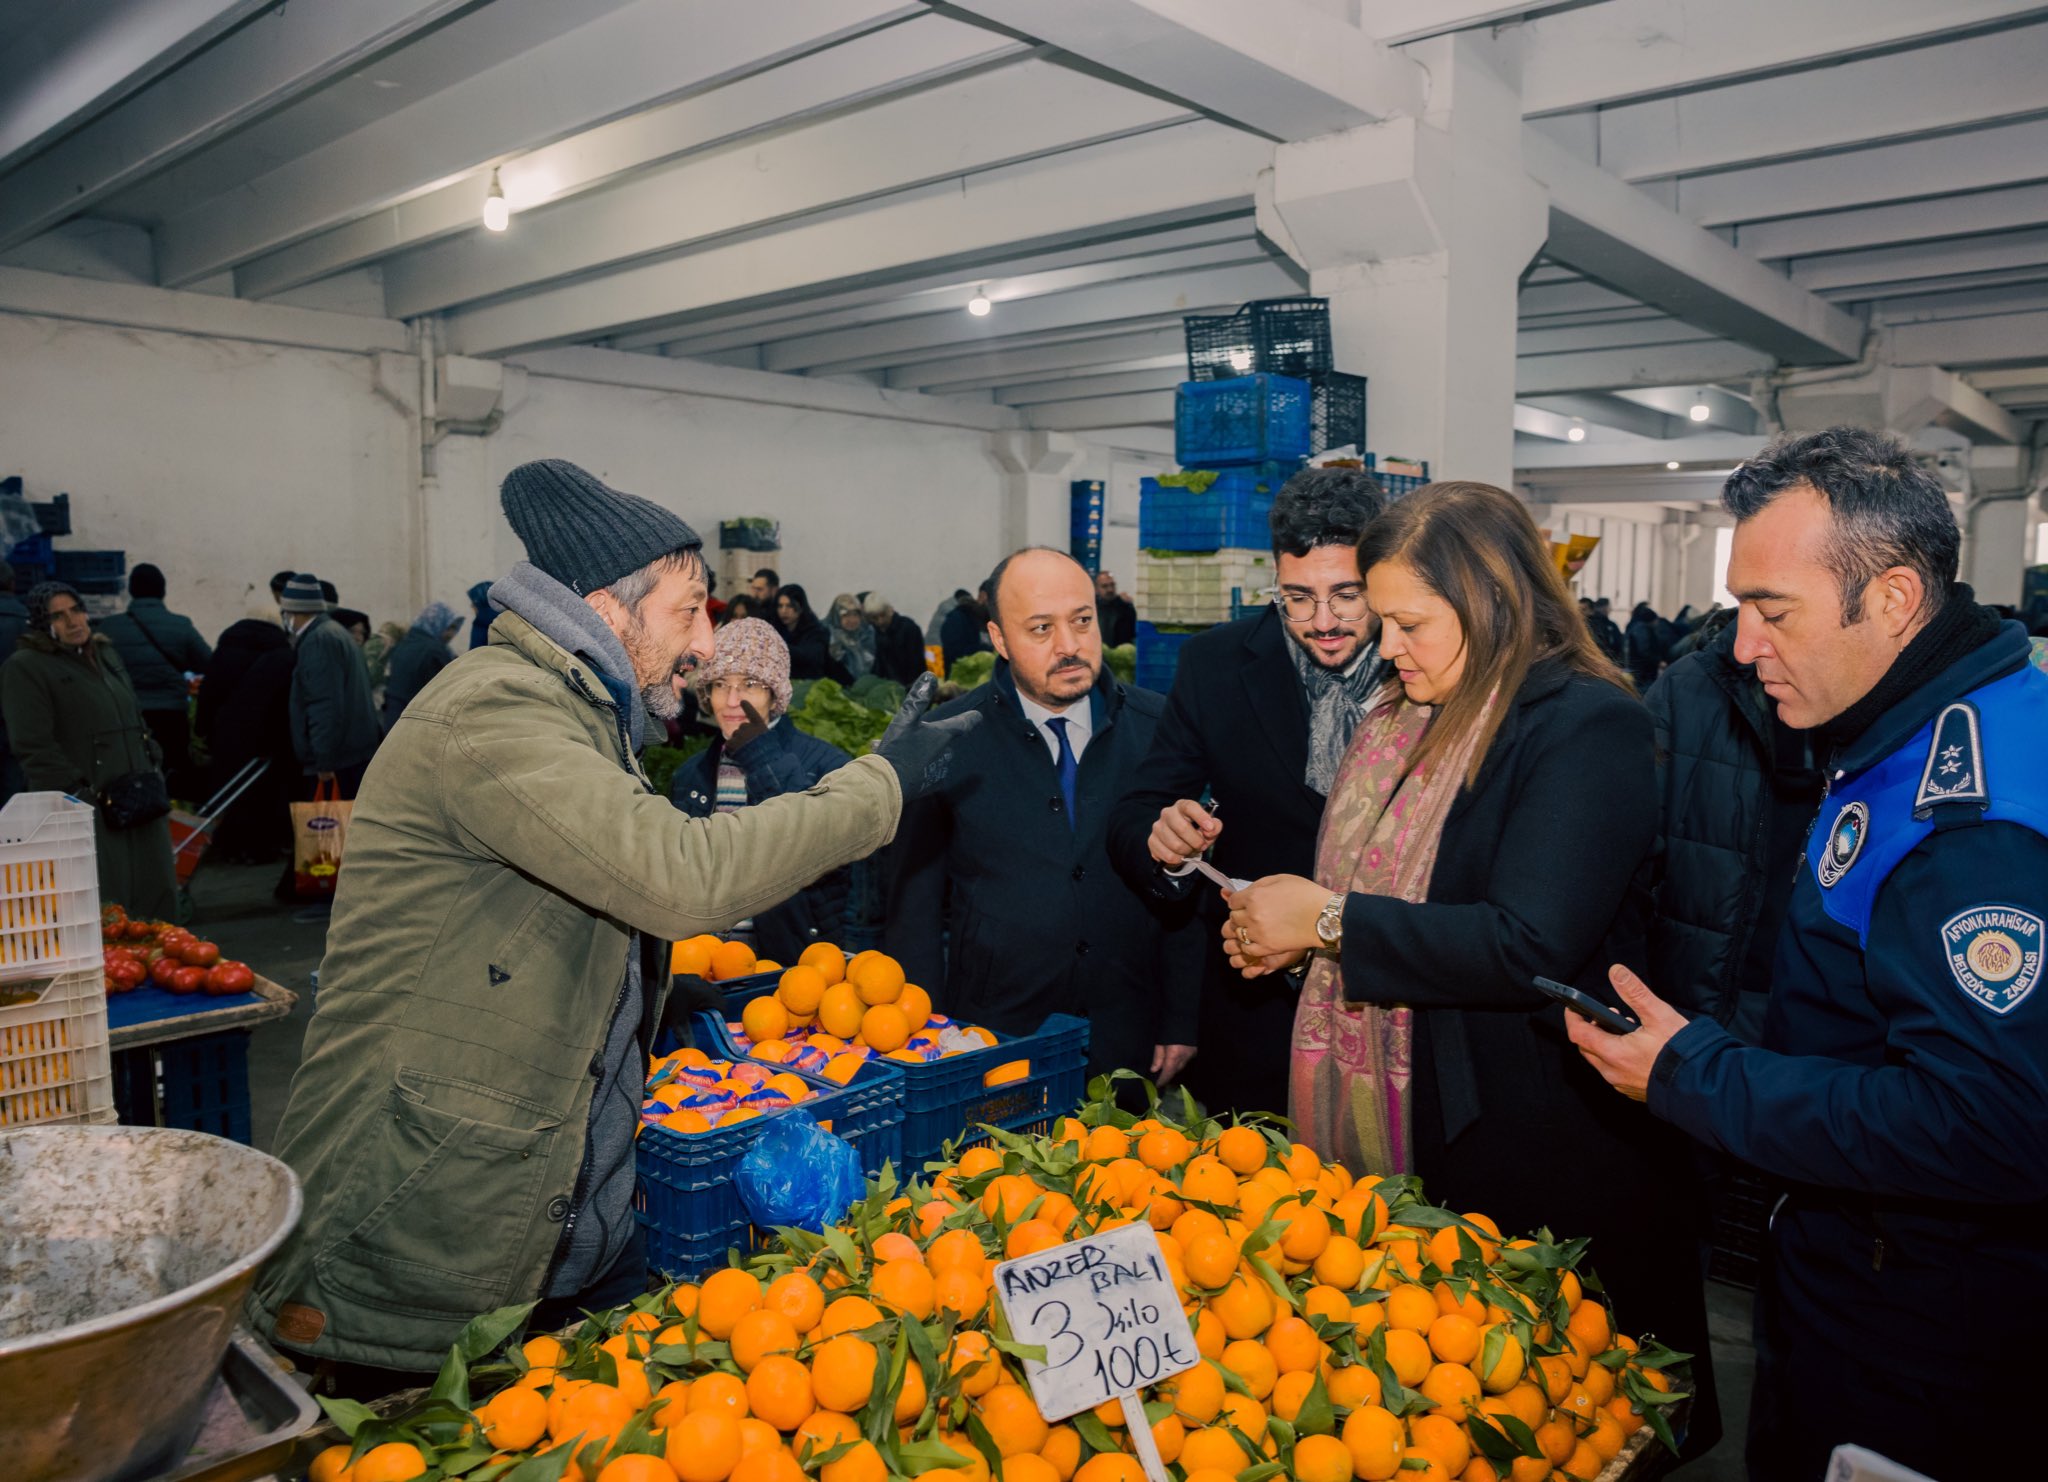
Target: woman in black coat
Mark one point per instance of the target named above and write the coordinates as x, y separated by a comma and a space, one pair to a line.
1646, 646
1493, 821
810, 646
744, 691
419, 656
244, 711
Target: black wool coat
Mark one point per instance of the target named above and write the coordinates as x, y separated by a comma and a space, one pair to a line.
1035, 920
1236, 725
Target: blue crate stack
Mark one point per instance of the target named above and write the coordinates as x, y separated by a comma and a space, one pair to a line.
1085, 534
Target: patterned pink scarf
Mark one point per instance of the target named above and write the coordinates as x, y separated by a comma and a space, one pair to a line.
1350, 1072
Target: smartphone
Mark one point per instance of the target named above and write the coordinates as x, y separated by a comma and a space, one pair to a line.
1584, 1003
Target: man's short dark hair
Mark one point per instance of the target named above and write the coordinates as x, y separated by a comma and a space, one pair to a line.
146, 581
1324, 506
770, 575
1888, 510
993, 587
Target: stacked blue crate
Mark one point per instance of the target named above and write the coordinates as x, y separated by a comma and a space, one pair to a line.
1398, 485
1246, 419
1158, 654
1086, 530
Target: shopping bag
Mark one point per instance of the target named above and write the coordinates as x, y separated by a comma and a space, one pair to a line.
319, 833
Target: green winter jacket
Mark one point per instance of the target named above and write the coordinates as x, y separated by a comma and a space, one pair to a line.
75, 725
504, 848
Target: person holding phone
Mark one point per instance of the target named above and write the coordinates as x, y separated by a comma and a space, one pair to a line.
1491, 822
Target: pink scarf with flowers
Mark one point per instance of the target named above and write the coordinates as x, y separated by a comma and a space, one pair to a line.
1349, 1072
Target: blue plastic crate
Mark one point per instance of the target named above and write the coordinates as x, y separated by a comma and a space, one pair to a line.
685, 1197
1233, 513
1159, 655
203, 1085
948, 1098
36, 551
94, 566
1247, 419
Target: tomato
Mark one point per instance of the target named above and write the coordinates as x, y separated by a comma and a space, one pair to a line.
196, 953
187, 979
230, 977
126, 974
137, 931
163, 970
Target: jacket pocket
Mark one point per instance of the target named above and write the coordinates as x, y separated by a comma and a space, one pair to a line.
449, 1180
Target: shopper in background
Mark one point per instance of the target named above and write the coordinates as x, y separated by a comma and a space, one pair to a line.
1261, 712
965, 630
741, 606
1006, 862
756, 756
463, 1118
899, 646
1493, 820
765, 584
1901, 1088
712, 605
810, 648
850, 640
13, 623
419, 656
480, 624
1607, 633
158, 647
76, 727
1645, 645
334, 723
377, 652
935, 630
244, 712
1114, 614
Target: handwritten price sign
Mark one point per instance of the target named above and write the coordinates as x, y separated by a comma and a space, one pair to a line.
1106, 1313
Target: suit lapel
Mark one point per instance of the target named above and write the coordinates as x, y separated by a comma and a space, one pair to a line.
1274, 694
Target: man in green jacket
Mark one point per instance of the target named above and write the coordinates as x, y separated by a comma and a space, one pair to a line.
464, 1115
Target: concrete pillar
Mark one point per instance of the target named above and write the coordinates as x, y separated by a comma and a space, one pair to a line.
1418, 231
1998, 522
1036, 467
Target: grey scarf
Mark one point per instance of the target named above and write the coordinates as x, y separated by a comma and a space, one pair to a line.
566, 619
1336, 704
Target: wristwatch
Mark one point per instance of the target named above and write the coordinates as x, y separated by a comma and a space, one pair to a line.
1330, 925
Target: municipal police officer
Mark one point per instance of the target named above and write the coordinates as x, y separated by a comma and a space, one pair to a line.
1902, 1084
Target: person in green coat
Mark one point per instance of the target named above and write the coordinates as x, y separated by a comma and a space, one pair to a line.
75, 726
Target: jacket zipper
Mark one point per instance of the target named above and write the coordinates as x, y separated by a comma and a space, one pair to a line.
579, 1190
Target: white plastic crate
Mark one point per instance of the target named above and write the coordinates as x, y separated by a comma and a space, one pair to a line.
49, 887
54, 1064
1201, 587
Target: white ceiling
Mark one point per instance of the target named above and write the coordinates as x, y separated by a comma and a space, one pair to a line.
817, 187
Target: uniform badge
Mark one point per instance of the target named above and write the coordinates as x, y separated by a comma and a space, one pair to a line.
1994, 953
1845, 843
1954, 772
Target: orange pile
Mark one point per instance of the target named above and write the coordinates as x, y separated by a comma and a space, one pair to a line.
1348, 1332
830, 1014
688, 1091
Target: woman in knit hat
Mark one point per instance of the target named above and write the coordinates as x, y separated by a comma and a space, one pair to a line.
744, 690
75, 726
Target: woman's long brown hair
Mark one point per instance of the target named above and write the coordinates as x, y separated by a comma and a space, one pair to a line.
1476, 547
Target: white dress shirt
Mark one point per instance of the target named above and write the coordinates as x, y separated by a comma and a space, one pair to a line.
1080, 719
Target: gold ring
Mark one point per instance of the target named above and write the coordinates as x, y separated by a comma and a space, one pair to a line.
1243, 937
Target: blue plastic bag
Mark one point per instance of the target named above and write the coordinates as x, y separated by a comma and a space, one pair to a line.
798, 1174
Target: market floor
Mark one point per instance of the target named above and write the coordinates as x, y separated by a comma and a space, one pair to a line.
233, 906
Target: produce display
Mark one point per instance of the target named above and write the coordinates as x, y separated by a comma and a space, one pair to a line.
688, 1091
134, 951
830, 1013
1346, 1330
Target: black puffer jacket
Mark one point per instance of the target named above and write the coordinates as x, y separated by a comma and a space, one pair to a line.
1732, 780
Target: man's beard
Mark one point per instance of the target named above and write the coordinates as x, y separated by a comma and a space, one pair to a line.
659, 696
1072, 672
1320, 659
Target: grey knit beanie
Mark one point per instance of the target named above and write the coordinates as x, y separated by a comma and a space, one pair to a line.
583, 534
302, 594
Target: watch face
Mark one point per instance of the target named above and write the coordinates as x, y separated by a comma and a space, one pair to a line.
1327, 928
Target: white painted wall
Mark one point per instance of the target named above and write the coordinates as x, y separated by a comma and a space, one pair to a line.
222, 460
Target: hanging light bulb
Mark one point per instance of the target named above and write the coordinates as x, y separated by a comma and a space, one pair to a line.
1699, 411
1672, 466
1576, 433
979, 305
497, 215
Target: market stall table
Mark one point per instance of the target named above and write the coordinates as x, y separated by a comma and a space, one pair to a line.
181, 1059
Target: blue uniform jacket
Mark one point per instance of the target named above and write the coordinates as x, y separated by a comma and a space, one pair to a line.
1905, 1050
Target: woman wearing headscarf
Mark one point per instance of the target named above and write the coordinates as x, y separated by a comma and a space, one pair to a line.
76, 727
1493, 820
420, 655
744, 691
810, 650
850, 639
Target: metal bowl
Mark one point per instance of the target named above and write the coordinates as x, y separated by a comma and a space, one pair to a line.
125, 1253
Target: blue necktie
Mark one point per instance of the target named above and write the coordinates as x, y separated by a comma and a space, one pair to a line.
1070, 770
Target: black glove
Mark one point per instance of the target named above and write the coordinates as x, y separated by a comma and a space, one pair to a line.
916, 747
755, 728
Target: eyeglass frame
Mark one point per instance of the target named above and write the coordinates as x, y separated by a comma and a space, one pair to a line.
1346, 593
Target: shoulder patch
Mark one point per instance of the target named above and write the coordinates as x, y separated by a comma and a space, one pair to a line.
1845, 842
1994, 954
1955, 761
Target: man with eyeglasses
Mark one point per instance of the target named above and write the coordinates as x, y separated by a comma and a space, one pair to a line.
1261, 712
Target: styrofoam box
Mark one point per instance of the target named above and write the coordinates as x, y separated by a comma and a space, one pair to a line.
1203, 587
